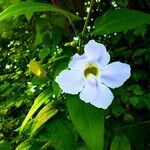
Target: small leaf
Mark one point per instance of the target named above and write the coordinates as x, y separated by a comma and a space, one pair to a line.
88, 120
29, 16
120, 143
120, 20
36, 68
134, 100
44, 115
73, 43
117, 109
137, 90
24, 8
43, 97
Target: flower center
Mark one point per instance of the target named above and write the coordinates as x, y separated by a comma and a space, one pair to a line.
91, 69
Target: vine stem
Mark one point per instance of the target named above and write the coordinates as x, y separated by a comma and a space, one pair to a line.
133, 125
88, 18
85, 25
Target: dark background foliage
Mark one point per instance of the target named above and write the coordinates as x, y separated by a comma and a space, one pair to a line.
43, 36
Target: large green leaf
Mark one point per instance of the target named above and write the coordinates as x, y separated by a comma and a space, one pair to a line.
4, 145
120, 143
25, 8
61, 134
43, 97
120, 20
88, 120
44, 115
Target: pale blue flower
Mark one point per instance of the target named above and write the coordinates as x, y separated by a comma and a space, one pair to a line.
92, 76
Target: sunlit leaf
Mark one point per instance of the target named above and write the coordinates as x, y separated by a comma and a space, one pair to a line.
88, 120
24, 8
36, 68
4, 86
44, 115
43, 97
28, 145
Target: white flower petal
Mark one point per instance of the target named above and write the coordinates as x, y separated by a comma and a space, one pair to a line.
97, 52
98, 95
78, 62
70, 81
115, 74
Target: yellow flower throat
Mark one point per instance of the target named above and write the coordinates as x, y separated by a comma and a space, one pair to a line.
91, 69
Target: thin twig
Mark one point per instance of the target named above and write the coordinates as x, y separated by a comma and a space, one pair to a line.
85, 24
133, 125
88, 18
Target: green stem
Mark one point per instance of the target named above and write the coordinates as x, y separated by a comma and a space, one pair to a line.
88, 18
85, 25
133, 125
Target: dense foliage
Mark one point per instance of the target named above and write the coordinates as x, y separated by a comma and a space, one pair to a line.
37, 40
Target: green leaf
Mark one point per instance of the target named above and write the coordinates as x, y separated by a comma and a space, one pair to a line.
57, 21
61, 134
44, 115
42, 29
139, 52
29, 145
4, 86
55, 85
137, 90
4, 145
26, 145
44, 53
82, 146
25, 8
146, 98
117, 109
56, 38
88, 120
120, 20
141, 30
134, 100
120, 143
43, 97
37, 80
